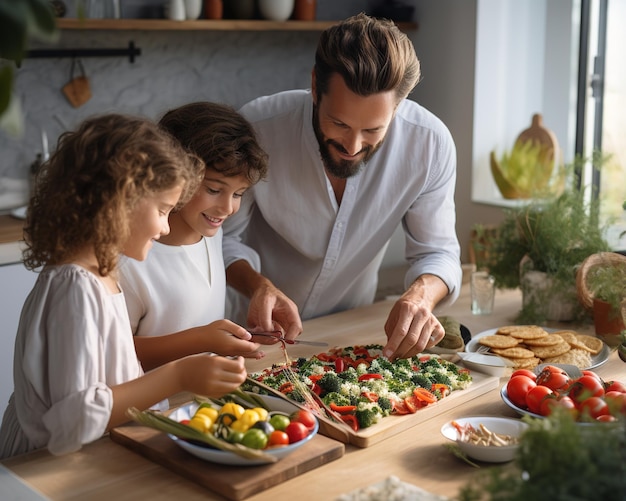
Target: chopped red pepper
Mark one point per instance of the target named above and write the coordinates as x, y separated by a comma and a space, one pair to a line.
342, 409
370, 395
340, 365
351, 420
367, 377
286, 387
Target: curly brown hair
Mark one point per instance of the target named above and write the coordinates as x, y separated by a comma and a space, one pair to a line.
85, 193
372, 55
220, 136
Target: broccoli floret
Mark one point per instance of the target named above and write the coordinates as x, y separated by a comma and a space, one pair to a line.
296, 395
421, 380
431, 363
385, 405
330, 383
367, 414
349, 375
441, 378
337, 398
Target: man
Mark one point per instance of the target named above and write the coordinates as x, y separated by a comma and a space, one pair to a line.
349, 160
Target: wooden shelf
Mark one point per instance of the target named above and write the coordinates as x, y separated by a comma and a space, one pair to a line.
200, 25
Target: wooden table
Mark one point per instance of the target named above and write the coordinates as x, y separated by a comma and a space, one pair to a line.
105, 470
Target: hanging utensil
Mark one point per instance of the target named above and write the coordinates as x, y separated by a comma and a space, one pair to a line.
77, 90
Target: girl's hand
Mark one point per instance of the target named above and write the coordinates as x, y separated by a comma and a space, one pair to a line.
210, 375
229, 339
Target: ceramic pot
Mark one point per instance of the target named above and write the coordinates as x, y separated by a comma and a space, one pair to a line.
276, 10
175, 10
608, 323
305, 10
193, 9
213, 9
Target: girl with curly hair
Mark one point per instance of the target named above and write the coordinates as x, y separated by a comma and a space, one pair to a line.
107, 190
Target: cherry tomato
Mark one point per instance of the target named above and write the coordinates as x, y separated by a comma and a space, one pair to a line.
615, 386
305, 417
585, 387
535, 397
399, 407
553, 380
255, 439
550, 405
593, 407
279, 421
554, 368
517, 388
524, 372
593, 374
616, 402
296, 431
606, 418
278, 438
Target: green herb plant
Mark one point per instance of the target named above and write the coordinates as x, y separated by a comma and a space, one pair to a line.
608, 283
551, 235
558, 460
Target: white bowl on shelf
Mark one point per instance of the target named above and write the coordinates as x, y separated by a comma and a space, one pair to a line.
276, 10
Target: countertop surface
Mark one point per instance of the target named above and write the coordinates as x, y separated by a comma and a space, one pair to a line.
107, 470
11, 239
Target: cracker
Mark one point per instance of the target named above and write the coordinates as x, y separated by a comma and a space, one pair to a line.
543, 341
523, 331
515, 352
498, 341
593, 343
526, 363
575, 356
552, 351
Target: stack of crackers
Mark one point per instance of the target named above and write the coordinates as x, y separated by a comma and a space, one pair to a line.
527, 346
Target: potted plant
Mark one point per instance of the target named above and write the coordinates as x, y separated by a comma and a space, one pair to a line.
601, 284
539, 246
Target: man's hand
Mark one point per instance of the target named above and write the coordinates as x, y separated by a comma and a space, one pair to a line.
411, 326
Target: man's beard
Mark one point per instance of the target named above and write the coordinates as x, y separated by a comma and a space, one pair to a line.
341, 169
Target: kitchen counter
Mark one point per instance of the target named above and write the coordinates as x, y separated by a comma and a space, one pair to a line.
11, 237
105, 470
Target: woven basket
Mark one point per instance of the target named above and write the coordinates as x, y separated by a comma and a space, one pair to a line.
600, 259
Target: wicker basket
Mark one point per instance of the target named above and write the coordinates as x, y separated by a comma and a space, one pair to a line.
600, 259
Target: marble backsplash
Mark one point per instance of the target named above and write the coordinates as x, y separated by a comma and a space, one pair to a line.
175, 67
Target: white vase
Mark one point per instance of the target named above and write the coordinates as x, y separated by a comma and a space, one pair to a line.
193, 9
276, 10
175, 10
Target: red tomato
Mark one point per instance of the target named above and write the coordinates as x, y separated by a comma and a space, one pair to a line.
585, 387
536, 396
524, 372
413, 404
399, 407
296, 431
554, 368
593, 374
593, 407
550, 405
278, 438
553, 380
615, 386
305, 417
606, 418
616, 402
517, 388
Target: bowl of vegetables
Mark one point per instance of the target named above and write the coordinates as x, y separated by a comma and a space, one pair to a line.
240, 432
486, 438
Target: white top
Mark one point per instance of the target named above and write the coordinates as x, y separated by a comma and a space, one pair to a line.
326, 257
175, 287
73, 343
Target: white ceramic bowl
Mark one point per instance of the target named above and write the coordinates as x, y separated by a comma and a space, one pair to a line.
490, 454
276, 10
230, 458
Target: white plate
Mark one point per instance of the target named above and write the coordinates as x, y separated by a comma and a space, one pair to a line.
596, 360
230, 458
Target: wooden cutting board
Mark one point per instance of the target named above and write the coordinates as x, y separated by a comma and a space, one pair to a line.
232, 482
392, 425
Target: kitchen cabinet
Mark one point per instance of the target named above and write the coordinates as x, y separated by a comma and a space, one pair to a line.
16, 283
201, 24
